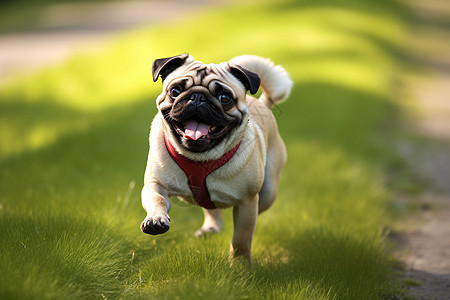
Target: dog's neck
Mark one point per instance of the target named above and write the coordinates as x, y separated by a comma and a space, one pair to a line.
197, 171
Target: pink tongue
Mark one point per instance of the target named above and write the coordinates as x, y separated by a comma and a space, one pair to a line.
195, 130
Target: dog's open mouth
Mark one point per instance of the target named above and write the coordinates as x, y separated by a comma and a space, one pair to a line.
197, 130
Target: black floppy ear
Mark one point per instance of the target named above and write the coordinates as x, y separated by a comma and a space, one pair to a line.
250, 80
165, 66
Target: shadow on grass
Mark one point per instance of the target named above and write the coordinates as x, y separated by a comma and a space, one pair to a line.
96, 161
59, 256
327, 258
330, 115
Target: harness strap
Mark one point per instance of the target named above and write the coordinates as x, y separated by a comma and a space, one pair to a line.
197, 171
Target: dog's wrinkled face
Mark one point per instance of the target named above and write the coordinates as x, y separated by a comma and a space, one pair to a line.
202, 105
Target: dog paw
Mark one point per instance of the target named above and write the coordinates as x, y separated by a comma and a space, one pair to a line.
155, 225
204, 231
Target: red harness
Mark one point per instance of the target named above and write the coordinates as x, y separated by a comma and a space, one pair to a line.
197, 171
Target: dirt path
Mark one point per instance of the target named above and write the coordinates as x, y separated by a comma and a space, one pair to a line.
425, 247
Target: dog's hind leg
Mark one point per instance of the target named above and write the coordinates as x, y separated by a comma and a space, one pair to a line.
269, 189
267, 194
212, 222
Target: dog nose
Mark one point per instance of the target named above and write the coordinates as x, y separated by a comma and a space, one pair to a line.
197, 97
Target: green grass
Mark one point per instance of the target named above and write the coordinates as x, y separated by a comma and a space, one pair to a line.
73, 147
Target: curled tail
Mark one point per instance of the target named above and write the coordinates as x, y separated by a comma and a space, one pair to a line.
275, 81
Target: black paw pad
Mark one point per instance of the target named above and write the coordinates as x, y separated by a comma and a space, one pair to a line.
154, 226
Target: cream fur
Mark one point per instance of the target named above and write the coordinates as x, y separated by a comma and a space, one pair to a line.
248, 182
275, 81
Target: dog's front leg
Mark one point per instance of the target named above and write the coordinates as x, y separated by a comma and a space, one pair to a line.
244, 219
155, 201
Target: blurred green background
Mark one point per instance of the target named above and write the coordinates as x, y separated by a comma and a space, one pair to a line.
74, 141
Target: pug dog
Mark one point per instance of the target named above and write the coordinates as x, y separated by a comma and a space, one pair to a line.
213, 145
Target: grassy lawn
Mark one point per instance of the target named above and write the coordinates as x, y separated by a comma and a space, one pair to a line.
73, 148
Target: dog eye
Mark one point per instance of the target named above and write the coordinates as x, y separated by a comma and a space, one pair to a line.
175, 92
225, 98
